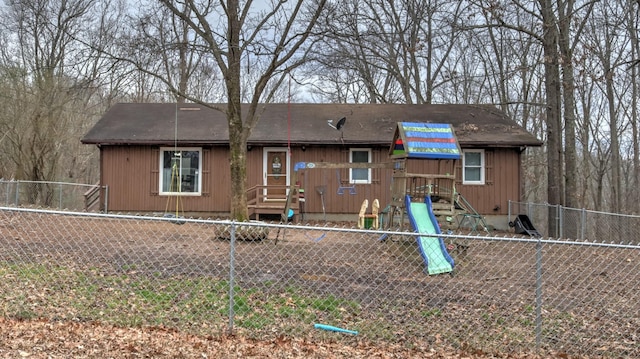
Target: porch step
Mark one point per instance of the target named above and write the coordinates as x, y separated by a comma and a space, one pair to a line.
275, 203
256, 211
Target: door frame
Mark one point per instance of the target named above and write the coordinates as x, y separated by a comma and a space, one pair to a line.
265, 166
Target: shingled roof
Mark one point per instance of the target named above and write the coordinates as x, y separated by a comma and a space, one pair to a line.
366, 124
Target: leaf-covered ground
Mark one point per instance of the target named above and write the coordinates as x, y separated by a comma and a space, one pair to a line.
68, 339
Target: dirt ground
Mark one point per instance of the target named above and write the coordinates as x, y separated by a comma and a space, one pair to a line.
166, 247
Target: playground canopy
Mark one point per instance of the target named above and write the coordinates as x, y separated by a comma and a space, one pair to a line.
424, 140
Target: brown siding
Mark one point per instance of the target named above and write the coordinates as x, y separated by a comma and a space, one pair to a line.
254, 167
346, 203
502, 183
126, 173
132, 175
154, 178
131, 172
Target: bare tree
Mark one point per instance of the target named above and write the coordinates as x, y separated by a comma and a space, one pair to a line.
539, 24
570, 28
585, 97
54, 86
271, 38
608, 45
349, 63
47, 90
632, 27
555, 26
395, 50
169, 53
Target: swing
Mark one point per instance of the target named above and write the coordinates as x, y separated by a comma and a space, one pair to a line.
316, 239
321, 191
175, 186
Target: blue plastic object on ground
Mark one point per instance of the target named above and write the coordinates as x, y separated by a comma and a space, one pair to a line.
334, 329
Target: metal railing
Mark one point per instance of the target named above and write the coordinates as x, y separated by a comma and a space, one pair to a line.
506, 294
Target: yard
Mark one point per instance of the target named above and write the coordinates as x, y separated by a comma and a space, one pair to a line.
128, 287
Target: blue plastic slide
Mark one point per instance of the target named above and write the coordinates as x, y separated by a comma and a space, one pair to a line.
432, 247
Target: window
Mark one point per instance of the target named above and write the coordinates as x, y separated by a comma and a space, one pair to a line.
180, 170
473, 167
360, 175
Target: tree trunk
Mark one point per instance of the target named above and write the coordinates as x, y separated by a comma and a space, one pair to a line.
616, 180
570, 192
552, 88
634, 196
570, 153
238, 162
586, 200
237, 134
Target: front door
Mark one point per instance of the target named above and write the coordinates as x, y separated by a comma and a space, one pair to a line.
276, 173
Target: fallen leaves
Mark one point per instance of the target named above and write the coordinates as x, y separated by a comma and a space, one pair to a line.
42, 338
63, 339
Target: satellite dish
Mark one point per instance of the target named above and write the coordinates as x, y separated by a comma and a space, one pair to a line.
338, 125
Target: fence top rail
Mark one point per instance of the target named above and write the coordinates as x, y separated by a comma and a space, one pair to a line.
575, 209
50, 182
337, 228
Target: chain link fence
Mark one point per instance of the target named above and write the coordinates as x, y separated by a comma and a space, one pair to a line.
56, 195
578, 224
507, 293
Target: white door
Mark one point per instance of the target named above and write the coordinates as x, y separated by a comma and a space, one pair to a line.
275, 172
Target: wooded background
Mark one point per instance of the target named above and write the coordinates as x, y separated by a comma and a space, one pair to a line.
566, 70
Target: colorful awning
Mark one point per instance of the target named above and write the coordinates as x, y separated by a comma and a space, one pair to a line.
425, 140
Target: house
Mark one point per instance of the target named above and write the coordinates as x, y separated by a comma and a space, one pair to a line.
160, 157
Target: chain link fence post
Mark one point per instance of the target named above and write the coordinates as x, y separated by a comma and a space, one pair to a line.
583, 224
17, 194
232, 270
538, 294
106, 199
557, 221
560, 211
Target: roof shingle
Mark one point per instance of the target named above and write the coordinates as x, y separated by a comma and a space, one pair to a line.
155, 124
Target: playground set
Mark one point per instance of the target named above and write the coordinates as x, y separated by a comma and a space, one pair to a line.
419, 198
